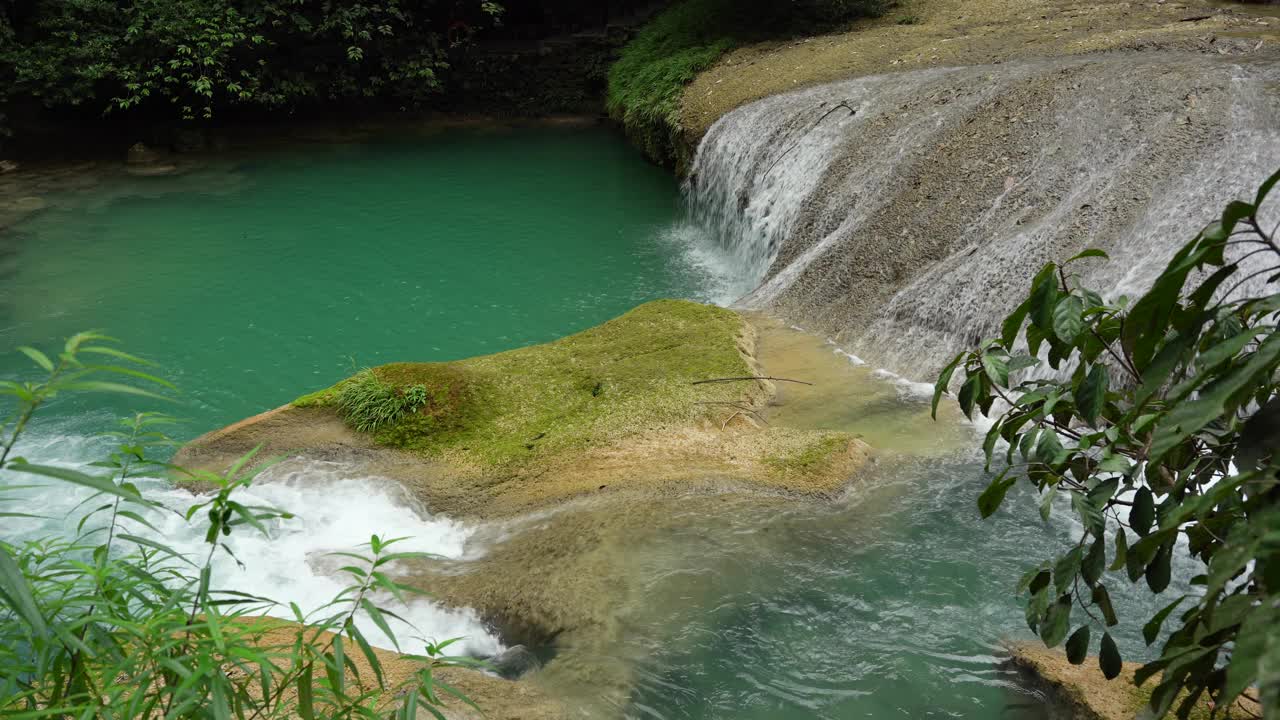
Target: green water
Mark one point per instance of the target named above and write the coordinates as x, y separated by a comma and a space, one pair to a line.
254, 280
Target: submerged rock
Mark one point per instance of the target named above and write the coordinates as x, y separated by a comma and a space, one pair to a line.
514, 662
140, 154
144, 161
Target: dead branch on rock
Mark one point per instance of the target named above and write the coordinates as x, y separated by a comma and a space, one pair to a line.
843, 104
744, 379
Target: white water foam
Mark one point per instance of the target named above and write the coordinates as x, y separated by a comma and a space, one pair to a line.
833, 217
335, 510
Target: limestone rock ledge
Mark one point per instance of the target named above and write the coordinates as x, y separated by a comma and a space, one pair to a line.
1082, 692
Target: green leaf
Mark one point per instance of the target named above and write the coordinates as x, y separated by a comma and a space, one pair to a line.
1090, 253
944, 379
101, 484
112, 352
997, 368
1122, 550
37, 357
1143, 513
15, 591
1094, 561
1109, 658
1056, 622
1159, 571
458, 694
1044, 296
1013, 324
369, 655
1091, 395
991, 498
1258, 638
1048, 447
110, 387
1151, 630
1046, 502
380, 621
969, 395
1265, 188
1078, 645
1191, 416
1066, 569
306, 701
1102, 599
1068, 318
155, 546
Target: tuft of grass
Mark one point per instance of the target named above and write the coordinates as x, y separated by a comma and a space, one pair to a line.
628, 375
648, 80
908, 20
368, 403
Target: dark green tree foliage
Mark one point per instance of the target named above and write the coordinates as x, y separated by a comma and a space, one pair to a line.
199, 56
1163, 441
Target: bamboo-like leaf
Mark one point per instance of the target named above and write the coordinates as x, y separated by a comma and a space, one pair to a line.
15, 591
37, 357
94, 482
376, 615
306, 699
369, 655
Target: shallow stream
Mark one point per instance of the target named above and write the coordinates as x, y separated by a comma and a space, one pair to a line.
253, 279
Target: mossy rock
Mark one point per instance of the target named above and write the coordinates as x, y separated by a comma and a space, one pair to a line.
614, 408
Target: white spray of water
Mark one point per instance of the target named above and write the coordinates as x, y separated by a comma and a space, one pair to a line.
335, 510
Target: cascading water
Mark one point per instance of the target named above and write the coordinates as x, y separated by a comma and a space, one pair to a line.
904, 214
337, 510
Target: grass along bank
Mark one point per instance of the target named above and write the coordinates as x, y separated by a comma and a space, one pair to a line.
646, 83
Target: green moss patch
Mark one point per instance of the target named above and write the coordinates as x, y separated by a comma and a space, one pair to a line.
629, 375
811, 458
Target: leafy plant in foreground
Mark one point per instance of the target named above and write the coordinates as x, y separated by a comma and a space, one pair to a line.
110, 621
1163, 440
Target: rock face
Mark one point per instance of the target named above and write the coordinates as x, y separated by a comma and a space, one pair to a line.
618, 408
950, 33
904, 214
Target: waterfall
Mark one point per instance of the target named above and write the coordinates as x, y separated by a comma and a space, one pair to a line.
904, 214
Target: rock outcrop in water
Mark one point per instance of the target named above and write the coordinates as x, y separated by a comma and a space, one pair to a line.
904, 214
1081, 692
581, 450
